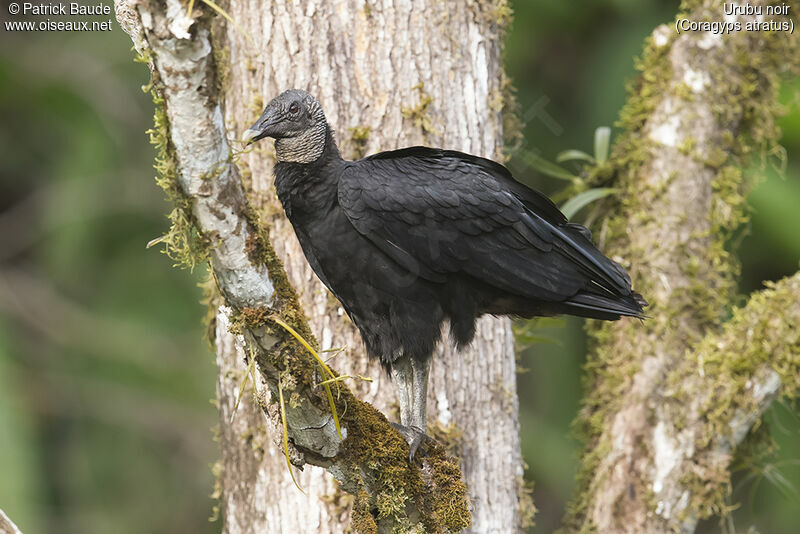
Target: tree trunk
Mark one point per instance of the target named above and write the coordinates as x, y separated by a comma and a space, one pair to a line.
388, 75
670, 398
7, 526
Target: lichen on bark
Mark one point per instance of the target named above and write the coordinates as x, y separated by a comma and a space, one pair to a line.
698, 111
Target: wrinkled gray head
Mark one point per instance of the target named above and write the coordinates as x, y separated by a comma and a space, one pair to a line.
295, 120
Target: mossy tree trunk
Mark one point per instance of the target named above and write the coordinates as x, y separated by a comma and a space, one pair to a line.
388, 74
669, 399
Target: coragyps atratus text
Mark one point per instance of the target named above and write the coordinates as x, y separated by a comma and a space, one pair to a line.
408, 238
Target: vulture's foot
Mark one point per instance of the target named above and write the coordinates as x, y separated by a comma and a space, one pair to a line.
415, 438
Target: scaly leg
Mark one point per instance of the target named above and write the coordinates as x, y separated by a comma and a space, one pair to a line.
420, 393
403, 379
410, 378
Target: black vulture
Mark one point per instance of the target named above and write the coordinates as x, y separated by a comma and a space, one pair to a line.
409, 238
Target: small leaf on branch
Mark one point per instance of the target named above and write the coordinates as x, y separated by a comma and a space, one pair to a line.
286, 435
602, 140
327, 369
572, 155
581, 200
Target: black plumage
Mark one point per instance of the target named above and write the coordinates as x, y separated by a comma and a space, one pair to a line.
409, 238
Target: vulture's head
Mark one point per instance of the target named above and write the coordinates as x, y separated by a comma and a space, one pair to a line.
296, 121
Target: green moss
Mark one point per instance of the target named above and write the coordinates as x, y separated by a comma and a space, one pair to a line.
256, 439
450, 437
255, 317
359, 137
716, 157
527, 510
496, 14
373, 443
687, 145
506, 102
418, 113
257, 103
246, 175
743, 96
683, 91
222, 64
449, 501
762, 334
183, 243
211, 300
257, 248
216, 494
502, 13
362, 520
391, 503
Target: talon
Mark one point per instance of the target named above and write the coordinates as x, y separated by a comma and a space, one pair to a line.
415, 438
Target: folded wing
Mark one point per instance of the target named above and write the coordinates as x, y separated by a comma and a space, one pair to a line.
441, 212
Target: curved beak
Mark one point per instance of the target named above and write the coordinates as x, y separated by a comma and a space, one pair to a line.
263, 127
252, 135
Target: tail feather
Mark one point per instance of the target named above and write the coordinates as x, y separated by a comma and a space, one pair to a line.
604, 307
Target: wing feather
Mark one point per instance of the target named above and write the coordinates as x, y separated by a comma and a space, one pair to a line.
441, 212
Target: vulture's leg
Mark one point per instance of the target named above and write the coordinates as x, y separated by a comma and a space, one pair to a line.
403, 378
419, 391
410, 379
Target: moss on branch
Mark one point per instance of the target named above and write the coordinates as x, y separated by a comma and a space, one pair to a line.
682, 145
735, 374
183, 242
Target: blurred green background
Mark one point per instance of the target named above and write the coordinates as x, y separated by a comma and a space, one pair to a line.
101, 427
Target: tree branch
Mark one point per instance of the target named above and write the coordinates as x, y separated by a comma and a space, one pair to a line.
731, 377
7, 526
372, 460
657, 425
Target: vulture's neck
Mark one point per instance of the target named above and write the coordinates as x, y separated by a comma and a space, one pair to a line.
310, 188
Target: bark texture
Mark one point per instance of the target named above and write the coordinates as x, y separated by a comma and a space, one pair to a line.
391, 94
7, 526
388, 74
669, 398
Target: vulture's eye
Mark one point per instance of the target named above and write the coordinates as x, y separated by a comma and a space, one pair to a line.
294, 108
